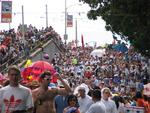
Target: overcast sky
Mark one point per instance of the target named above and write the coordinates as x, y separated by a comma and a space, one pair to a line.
34, 13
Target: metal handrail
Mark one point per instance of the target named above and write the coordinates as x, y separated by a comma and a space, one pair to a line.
4, 67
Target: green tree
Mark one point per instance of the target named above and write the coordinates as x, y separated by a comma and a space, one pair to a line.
128, 18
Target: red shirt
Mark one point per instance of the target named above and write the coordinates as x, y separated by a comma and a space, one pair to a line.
88, 74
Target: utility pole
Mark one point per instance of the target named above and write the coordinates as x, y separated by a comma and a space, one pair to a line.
76, 34
46, 17
66, 15
65, 35
23, 29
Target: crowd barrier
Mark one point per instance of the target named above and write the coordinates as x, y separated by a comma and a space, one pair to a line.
133, 109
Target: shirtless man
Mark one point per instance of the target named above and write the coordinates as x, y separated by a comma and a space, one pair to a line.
44, 97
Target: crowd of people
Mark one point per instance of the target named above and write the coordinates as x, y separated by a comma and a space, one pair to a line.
112, 83
13, 46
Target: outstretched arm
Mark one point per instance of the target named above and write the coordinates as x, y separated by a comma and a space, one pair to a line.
66, 89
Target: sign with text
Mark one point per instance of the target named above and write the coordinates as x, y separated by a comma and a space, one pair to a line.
6, 11
133, 109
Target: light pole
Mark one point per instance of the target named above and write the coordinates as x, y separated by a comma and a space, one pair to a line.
76, 34
66, 35
46, 17
76, 31
23, 29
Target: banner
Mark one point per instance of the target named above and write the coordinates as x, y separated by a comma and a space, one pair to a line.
69, 20
6, 11
133, 109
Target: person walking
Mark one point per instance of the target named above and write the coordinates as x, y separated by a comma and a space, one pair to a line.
97, 106
109, 104
85, 101
15, 98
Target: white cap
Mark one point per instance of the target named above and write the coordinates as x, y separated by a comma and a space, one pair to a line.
83, 86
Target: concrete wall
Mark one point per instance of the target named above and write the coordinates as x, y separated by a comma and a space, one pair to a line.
49, 48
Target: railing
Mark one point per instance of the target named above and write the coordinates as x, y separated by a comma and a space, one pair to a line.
22, 56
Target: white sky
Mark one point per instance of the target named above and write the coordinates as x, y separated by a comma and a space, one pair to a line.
34, 13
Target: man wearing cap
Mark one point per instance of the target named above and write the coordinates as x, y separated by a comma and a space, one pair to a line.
84, 100
15, 98
44, 97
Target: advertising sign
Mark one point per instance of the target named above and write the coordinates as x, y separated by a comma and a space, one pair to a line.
6, 11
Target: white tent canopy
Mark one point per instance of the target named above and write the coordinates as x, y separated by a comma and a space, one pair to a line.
98, 52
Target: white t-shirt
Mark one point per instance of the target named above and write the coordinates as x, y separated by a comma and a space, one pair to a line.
97, 107
15, 98
110, 106
85, 103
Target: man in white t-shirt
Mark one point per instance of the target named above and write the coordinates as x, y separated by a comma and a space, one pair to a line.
109, 104
15, 98
84, 100
97, 106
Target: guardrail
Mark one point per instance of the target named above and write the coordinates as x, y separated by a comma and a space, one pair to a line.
18, 59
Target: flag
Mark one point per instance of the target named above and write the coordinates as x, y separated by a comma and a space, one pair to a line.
6, 11
69, 20
82, 41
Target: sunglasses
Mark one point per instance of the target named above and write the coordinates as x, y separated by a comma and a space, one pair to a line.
14, 74
47, 79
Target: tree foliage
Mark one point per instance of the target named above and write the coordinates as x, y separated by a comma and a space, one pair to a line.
128, 18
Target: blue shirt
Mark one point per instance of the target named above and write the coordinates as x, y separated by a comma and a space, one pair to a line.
60, 103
